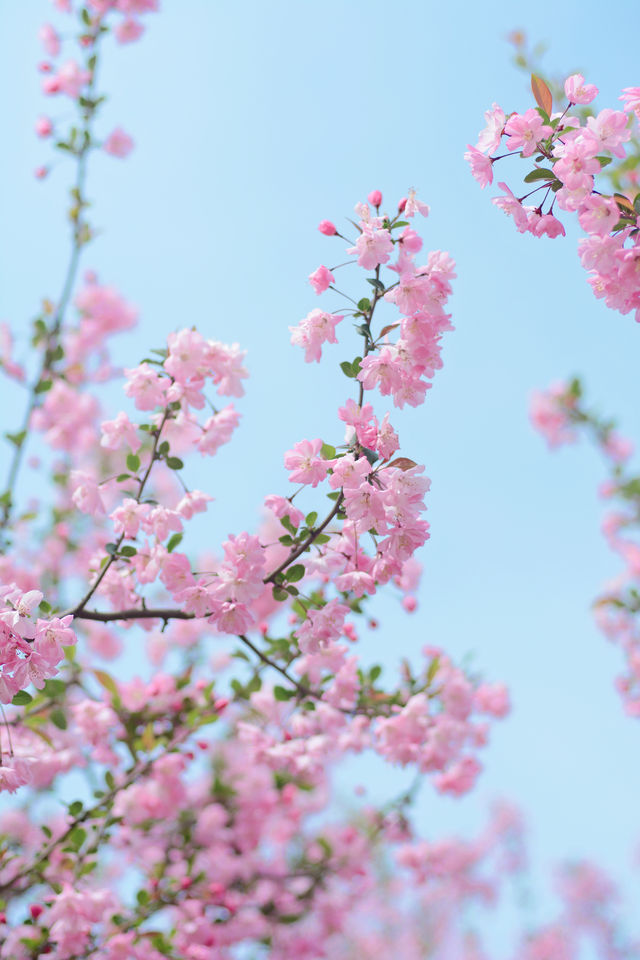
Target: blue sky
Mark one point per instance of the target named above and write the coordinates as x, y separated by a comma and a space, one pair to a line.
252, 123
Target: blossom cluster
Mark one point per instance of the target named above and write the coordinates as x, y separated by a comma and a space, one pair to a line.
568, 156
559, 414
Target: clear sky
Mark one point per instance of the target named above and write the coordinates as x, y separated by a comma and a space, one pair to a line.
252, 123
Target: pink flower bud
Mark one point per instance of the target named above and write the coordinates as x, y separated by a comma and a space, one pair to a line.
409, 603
40, 172
44, 127
375, 198
326, 227
35, 910
402, 204
44, 67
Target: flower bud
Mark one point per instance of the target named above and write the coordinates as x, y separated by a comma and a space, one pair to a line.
326, 227
375, 198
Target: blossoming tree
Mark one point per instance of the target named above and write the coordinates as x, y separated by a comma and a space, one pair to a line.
197, 819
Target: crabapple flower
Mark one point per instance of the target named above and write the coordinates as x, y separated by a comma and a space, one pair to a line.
489, 138
321, 279
118, 143
44, 127
525, 131
119, 433
577, 91
481, 166
49, 39
373, 247
70, 80
316, 328
305, 463
129, 30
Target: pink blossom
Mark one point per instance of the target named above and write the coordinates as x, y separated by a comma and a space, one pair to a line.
631, 97
375, 198
44, 127
373, 247
547, 225
49, 40
118, 433
305, 463
493, 699
481, 166
318, 327
218, 430
413, 206
146, 387
512, 207
128, 517
86, 493
129, 30
321, 279
577, 91
489, 139
326, 227
525, 131
609, 129
70, 80
550, 416
598, 215
118, 143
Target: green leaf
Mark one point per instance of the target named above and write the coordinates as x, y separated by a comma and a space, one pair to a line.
77, 837
286, 523
364, 304
321, 538
433, 669
106, 680
377, 284
43, 386
122, 477
174, 463
58, 718
110, 780
604, 161
295, 573
17, 439
21, 698
375, 672
164, 448
54, 688
346, 368
333, 495
174, 540
327, 452
311, 518
287, 540
281, 693
133, 462
75, 808
111, 548
400, 223
280, 594
128, 551
540, 173
636, 203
